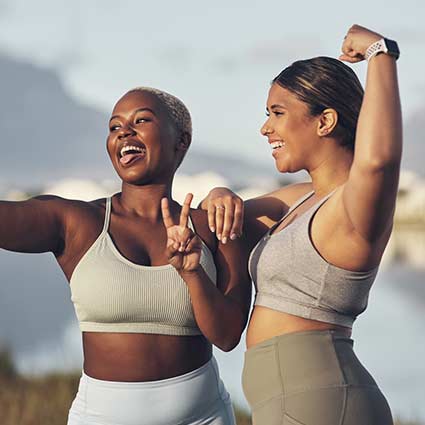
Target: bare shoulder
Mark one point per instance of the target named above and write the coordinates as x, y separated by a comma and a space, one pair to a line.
83, 224
263, 212
290, 194
69, 210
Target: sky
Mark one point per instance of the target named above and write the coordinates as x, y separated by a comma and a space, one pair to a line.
218, 57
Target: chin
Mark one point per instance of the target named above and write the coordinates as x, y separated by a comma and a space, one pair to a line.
282, 167
287, 167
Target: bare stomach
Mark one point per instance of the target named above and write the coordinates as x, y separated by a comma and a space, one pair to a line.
266, 323
142, 357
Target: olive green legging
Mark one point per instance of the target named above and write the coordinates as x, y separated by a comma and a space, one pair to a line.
311, 378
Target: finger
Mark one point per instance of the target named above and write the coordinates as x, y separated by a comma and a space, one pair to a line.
350, 59
228, 220
237, 220
166, 215
219, 221
192, 245
184, 238
172, 250
184, 215
211, 217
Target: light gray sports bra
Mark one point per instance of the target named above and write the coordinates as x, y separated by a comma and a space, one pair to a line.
292, 277
112, 294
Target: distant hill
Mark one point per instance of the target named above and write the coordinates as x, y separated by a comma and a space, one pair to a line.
45, 132
49, 135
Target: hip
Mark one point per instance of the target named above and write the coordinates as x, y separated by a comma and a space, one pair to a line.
309, 377
184, 399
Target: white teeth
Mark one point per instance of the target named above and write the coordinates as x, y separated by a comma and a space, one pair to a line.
131, 148
276, 145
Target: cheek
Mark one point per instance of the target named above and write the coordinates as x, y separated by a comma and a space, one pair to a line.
109, 146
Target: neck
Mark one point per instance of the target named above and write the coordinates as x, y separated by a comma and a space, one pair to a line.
145, 200
331, 172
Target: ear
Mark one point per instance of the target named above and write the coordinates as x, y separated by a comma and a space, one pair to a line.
184, 142
328, 120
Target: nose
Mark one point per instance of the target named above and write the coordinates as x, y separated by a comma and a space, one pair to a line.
265, 129
125, 132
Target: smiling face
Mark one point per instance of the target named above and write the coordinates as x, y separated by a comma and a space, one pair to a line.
143, 143
291, 131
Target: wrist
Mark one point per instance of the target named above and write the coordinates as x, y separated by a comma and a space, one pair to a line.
383, 45
190, 273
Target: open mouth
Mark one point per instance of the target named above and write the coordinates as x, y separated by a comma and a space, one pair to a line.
277, 145
131, 153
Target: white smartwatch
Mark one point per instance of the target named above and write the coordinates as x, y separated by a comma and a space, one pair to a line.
384, 45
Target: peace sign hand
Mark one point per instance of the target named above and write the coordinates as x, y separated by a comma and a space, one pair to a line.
183, 245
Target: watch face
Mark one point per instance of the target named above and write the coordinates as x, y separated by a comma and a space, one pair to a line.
392, 48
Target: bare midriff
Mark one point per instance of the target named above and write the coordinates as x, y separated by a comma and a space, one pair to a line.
142, 357
266, 323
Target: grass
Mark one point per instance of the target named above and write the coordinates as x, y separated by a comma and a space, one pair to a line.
46, 400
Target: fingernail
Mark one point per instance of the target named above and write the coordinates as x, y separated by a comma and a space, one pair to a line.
233, 236
219, 237
212, 229
224, 240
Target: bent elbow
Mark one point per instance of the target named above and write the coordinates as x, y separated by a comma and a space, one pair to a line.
229, 343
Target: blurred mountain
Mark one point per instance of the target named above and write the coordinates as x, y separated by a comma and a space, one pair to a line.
46, 134
49, 135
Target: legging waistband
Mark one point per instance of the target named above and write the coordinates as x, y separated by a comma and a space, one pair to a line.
291, 338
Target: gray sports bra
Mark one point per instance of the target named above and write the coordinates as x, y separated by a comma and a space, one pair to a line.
112, 294
291, 276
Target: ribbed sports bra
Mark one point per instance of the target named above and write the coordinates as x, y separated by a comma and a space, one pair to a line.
112, 294
292, 277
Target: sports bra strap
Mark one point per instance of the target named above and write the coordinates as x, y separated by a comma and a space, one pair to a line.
190, 224
107, 214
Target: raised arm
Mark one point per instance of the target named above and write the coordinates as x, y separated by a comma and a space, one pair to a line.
369, 195
32, 226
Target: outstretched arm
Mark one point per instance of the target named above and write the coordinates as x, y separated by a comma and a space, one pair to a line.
229, 216
221, 310
32, 226
368, 197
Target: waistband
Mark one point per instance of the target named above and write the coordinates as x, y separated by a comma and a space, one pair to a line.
293, 337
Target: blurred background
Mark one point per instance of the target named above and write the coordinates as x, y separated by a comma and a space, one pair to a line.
64, 64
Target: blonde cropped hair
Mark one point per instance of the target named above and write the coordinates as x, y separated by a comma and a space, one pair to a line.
177, 110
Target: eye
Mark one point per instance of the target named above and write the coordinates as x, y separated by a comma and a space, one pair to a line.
113, 127
141, 120
267, 113
278, 113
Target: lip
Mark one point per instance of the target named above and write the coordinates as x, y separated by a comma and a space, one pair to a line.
275, 152
130, 142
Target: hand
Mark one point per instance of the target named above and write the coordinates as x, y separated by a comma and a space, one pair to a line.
225, 213
356, 42
183, 245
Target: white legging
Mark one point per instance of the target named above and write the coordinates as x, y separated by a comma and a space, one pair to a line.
195, 398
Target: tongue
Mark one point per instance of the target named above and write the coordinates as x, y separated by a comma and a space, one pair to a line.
129, 157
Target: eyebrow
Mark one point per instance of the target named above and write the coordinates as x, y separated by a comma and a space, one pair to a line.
276, 105
135, 112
